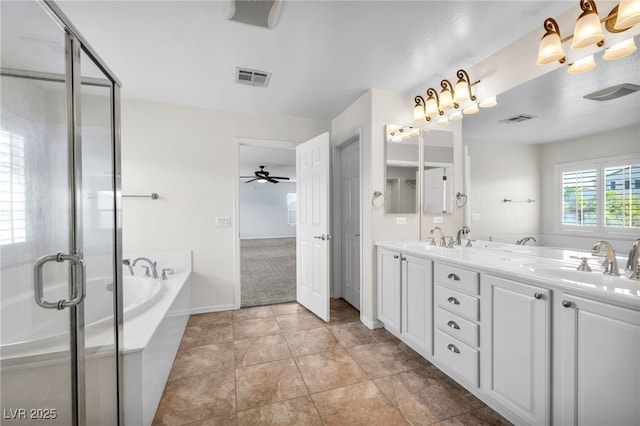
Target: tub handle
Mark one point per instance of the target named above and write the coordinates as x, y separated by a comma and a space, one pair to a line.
77, 280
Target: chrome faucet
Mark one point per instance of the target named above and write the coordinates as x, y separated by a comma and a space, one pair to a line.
442, 240
462, 231
127, 262
610, 263
524, 240
632, 262
151, 263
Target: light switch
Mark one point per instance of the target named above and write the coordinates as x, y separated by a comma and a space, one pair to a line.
437, 219
223, 221
401, 220
475, 217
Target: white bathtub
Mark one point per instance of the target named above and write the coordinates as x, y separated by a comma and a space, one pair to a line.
156, 313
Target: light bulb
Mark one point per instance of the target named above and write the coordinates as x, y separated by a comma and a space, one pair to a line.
446, 100
587, 31
620, 50
582, 65
489, 102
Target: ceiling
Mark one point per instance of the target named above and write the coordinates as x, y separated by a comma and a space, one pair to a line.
322, 54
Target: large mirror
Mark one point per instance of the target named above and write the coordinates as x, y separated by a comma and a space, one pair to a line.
401, 169
438, 172
517, 150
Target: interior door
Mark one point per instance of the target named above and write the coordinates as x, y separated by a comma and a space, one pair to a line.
350, 214
313, 242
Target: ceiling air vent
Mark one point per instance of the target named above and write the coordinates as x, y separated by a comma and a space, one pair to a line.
517, 118
613, 92
252, 77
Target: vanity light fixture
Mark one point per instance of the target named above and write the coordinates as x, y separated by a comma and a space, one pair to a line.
450, 98
489, 102
620, 50
587, 32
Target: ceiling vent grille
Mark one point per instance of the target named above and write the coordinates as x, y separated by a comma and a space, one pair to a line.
517, 118
613, 92
252, 77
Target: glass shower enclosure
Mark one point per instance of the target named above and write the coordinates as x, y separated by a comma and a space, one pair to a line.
60, 233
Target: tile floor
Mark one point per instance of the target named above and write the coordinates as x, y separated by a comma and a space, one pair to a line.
281, 365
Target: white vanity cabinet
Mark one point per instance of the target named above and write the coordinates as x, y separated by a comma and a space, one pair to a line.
457, 312
404, 298
597, 363
516, 347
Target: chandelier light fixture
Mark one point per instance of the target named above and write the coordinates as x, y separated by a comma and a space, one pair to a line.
451, 103
588, 32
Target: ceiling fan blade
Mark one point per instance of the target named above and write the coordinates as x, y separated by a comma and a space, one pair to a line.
246, 177
272, 180
251, 180
279, 177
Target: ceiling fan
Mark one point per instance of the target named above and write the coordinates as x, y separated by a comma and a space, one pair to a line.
263, 176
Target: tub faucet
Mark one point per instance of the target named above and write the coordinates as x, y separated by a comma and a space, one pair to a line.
462, 231
610, 263
442, 240
524, 240
632, 262
151, 263
127, 262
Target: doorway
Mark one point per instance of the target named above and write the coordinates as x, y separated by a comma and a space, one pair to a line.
266, 218
347, 199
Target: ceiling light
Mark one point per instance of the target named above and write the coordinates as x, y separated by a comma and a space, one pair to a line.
620, 50
628, 14
471, 109
582, 65
446, 96
588, 30
550, 49
489, 102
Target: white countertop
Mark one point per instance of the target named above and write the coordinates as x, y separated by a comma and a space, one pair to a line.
547, 266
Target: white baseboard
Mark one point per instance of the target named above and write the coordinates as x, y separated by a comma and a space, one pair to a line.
268, 238
371, 324
214, 308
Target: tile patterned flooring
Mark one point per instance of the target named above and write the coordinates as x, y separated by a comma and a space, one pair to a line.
281, 365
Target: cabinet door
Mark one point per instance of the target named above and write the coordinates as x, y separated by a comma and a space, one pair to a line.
515, 342
599, 363
417, 303
389, 289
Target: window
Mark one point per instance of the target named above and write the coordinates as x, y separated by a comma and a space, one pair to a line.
601, 195
292, 199
12, 189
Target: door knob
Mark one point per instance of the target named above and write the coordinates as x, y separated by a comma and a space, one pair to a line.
320, 237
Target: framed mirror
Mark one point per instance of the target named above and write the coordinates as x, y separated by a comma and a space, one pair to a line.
402, 169
437, 172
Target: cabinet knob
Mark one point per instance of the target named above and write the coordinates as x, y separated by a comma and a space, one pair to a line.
395, 256
566, 303
453, 325
453, 301
453, 348
403, 258
453, 277
538, 296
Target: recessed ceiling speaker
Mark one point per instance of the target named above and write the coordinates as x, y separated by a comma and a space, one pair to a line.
261, 13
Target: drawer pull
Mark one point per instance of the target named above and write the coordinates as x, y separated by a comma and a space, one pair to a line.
453, 277
538, 296
453, 301
566, 303
453, 325
453, 348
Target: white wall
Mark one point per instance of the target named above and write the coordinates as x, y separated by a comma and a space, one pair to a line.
263, 210
186, 155
499, 171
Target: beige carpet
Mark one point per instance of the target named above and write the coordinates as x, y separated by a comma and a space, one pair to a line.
267, 271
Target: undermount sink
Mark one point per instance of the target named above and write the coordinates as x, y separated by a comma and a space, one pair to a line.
592, 278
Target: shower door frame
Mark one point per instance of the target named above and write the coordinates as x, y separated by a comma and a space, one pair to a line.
75, 44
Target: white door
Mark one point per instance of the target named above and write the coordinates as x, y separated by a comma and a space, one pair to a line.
312, 230
350, 214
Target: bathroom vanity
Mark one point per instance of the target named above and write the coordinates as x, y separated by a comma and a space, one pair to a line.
519, 327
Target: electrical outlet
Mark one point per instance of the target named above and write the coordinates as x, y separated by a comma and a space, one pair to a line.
437, 219
475, 217
223, 221
401, 220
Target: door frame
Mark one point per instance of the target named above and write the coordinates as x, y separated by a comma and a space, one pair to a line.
235, 222
336, 198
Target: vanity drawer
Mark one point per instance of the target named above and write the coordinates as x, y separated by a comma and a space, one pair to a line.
457, 326
456, 302
460, 279
460, 357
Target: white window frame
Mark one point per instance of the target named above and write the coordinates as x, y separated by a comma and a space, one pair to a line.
295, 209
600, 164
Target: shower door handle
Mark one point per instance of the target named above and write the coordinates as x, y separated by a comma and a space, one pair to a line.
78, 277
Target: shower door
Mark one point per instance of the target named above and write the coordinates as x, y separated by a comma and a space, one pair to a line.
60, 285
